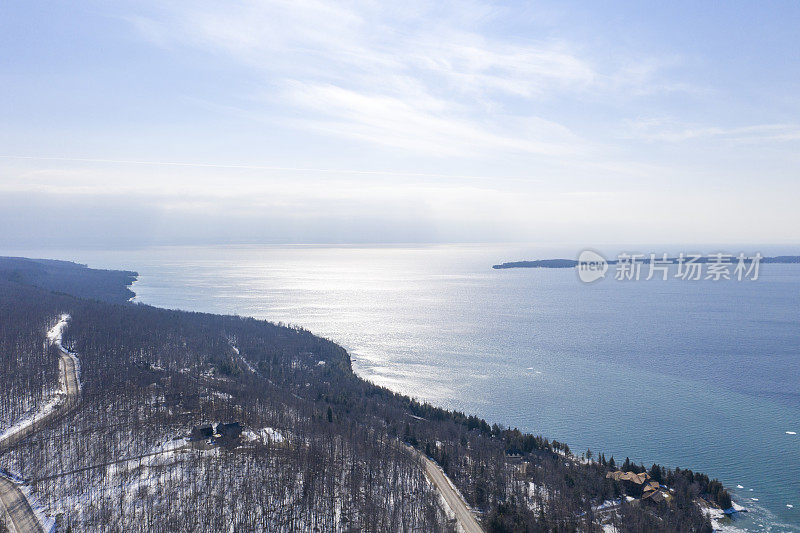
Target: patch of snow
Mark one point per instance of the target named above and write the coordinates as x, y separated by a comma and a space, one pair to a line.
606, 505
271, 434
715, 515
248, 365
32, 418
12, 476
133, 283
155, 399
56, 334
173, 444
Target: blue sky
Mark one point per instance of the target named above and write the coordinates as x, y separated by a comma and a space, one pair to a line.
134, 123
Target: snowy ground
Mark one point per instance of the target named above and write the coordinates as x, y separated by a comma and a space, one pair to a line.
718, 519
226, 486
32, 417
55, 397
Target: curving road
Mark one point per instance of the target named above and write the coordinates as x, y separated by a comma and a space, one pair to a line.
14, 505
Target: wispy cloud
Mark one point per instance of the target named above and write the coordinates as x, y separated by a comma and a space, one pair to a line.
398, 122
665, 130
421, 78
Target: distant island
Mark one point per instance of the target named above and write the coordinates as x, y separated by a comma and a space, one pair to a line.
572, 263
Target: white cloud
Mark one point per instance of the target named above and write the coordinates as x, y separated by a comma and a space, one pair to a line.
667, 130
419, 78
422, 126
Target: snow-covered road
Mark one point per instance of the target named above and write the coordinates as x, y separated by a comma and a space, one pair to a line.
20, 516
13, 502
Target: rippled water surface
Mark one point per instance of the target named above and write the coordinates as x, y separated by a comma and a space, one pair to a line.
701, 375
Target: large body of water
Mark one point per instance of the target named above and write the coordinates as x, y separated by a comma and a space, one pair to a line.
701, 375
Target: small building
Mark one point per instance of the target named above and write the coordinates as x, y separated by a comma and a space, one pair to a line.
652, 485
654, 496
633, 477
201, 433
230, 431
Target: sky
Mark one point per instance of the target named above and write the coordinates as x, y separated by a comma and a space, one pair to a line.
127, 124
